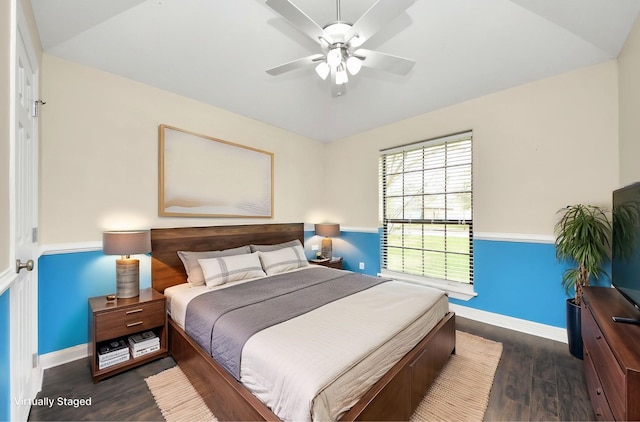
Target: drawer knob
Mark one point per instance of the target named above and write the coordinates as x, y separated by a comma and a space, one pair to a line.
598, 391
598, 337
134, 311
133, 324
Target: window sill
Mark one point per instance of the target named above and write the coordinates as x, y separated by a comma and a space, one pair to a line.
461, 291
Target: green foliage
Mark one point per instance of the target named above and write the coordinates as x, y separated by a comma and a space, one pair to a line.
583, 237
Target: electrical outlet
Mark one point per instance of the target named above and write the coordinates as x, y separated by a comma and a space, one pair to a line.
314, 247
361, 266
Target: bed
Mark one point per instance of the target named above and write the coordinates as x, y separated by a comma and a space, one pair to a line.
394, 395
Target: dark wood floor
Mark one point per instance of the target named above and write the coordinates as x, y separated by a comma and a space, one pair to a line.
537, 379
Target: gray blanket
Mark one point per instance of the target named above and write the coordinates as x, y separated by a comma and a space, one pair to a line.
222, 321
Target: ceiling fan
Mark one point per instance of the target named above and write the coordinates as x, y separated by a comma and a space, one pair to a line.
341, 42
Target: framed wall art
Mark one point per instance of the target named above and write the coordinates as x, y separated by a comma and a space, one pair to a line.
201, 176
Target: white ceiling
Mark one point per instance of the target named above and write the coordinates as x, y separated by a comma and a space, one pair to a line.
217, 51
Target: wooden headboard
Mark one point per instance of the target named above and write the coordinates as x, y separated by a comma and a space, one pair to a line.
167, 269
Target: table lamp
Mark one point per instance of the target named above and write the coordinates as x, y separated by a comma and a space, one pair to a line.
127, 243
328, 230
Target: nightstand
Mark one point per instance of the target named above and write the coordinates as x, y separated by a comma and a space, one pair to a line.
120, 318
334, 263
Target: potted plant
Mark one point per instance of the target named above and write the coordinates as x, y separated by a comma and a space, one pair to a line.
583, 235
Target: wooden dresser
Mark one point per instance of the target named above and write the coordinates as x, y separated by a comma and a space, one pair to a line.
611, 354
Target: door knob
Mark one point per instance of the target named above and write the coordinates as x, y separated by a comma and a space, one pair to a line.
28, 265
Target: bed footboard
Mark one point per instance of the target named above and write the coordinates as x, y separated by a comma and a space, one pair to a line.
399, 392
394, 397
227, 398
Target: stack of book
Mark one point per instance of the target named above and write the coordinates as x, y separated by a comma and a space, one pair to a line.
112, 353
143, 343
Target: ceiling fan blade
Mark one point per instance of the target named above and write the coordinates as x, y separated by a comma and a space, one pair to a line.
378, 15
296, 64
383, 61
299, 19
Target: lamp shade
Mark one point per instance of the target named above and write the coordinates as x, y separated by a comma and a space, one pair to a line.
328, 230
126, 242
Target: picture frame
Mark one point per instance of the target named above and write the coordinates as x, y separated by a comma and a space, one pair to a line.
203, 176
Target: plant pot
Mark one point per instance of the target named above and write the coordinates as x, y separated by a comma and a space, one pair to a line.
574, 329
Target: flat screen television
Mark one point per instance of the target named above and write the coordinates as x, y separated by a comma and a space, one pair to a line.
625, 245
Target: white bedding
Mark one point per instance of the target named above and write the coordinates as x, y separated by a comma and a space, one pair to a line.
281, 365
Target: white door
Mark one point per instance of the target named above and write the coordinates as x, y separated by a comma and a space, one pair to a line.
25, 371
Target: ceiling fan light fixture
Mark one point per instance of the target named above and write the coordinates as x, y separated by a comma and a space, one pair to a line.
354, 65
341, 42
334, 57
323, 69
341, 75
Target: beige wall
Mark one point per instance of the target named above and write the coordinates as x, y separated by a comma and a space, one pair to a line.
100, 154
5, 46
629, 86
537, 148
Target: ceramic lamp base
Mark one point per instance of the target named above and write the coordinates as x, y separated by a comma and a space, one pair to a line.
127, 278
326, 248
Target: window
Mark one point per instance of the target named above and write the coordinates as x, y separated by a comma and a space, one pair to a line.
426, 200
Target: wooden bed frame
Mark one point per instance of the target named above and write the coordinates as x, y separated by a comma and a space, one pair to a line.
394, 397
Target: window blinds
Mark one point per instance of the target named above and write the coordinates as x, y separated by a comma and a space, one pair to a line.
426, 208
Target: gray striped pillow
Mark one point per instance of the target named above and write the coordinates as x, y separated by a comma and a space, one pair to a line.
218, 271
281, 260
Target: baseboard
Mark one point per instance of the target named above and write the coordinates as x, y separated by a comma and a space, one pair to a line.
59, 357
516, 324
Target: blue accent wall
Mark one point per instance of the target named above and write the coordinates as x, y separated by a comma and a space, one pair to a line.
516, 279
65, 283
520, 280
354, 248
5, 387
512, 278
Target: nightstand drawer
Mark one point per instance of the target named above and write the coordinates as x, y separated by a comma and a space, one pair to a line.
121, 317
126, 321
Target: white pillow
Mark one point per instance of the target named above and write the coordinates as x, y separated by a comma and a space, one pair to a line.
225, 269
281, 260
192, 268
